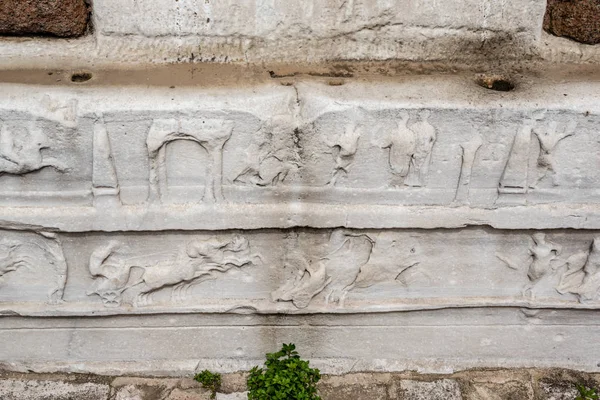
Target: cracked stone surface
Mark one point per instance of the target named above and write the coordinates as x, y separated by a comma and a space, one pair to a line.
576, 19
64, 18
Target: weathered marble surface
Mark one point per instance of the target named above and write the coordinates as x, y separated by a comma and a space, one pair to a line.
158, 31
438, 224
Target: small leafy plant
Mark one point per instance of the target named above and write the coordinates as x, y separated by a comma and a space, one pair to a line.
209, 381
586, 393
285, 377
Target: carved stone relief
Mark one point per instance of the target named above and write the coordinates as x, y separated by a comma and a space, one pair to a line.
116, 272
410, 148
343, 148
33, 254
20, 156
272, 154
577, 274
209, 134
524, 169
350, 260
105, 184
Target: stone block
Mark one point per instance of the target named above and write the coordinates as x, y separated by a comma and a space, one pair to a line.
576, 19
64, 18
12, 389
443, 389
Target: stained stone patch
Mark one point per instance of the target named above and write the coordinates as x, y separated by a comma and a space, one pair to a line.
12, 389
443, 389
64, 18
576, 19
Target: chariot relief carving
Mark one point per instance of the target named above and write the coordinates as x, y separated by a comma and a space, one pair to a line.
272, 155
521, 173
410, 148
22, 155
16, 254
117, 273
211, 135
343, 148
350, 260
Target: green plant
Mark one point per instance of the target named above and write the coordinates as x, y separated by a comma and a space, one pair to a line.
285, 377
586, 393
209, 381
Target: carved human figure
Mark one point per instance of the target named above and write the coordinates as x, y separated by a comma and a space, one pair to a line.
543, 253
518, 175
425, 136
410, 148
211, 135
114, 272
271, 157
25, 157
549, 135
343, 148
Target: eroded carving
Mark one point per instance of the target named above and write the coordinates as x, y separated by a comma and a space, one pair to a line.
520, 173
24, 155
105, 183
541, 261
469, 152
410, 148
211, 135
343, 148
272, 155
16, 254
116, 272
350, 260
332, 273
581, 276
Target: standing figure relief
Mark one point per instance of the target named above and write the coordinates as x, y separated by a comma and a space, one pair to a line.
343, 148
25, 156
410, 148
211, 135
519, 175
543, 256
115, 272
578, 274
272, 155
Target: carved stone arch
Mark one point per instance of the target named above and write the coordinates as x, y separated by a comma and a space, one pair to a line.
211, 135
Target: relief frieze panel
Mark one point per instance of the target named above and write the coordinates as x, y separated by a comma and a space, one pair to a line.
297, 271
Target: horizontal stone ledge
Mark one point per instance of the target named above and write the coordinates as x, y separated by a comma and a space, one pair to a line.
293, 215
182, 351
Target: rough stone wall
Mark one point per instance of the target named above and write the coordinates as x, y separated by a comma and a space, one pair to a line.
468, 385
384, 216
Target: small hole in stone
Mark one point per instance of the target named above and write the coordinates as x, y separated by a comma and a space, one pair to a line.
336, 82
495, 82
79, 77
